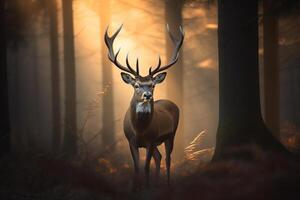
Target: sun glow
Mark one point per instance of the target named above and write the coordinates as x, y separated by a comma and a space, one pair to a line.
142, 36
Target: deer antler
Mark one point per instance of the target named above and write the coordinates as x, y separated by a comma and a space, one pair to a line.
174, 58
113, 57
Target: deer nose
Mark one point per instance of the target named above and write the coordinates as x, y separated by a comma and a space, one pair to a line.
147, 95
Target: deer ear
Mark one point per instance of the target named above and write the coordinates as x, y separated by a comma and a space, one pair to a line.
160, 78
127, 78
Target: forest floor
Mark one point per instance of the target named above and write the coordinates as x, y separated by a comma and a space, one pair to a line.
265, 177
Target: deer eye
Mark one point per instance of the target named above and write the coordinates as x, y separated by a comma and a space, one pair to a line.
136, 86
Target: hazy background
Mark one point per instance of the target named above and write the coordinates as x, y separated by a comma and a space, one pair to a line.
143, 35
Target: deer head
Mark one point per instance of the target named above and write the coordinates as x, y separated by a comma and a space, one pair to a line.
143, 85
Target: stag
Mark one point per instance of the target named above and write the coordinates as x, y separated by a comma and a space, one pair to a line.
148, 123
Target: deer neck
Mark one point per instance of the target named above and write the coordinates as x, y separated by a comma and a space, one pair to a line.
141, 114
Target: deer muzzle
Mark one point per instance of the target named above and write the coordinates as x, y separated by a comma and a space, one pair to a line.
147, 96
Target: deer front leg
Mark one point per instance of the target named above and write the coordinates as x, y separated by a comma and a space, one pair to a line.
135, 157
147, 165
157, 159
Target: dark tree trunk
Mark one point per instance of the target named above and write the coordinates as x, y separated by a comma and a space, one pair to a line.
55, 76
32, 108
107, 77
173, 16
240, 120
296, 96
4, 111
271, 70
70, 137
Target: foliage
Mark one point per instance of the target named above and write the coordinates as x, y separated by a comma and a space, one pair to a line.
290, 136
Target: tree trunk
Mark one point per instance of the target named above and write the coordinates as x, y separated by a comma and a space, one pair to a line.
55, 76
4, 111
271, 69
240, 120
173, 16
70, 137
296, 96
107, 77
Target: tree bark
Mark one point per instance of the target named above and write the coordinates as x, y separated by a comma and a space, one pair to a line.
173, 17
240, 120
4, 101
107, 77
70, 137
271, 69
55, 76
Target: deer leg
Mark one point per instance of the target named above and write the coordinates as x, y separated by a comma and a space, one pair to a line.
147, 165
169, 149
135, 156
157, 159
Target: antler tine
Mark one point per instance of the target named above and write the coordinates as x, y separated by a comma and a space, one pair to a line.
157, 67
129, 67
112, 56
174, 58
137, 67
109, 42
170, 34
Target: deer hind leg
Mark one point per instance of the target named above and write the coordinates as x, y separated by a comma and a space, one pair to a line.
147, 165
157, 159
169, 149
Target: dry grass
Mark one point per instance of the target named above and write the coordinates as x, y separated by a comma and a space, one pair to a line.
290, 136
267, 177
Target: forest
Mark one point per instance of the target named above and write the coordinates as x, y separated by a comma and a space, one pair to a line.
235, 80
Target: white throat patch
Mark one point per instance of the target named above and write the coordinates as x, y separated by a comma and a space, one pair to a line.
143, 107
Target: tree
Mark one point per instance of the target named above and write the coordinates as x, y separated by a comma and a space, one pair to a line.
107, 77
240, 120
55, 81
173, 16
4, 111
271, 68
70, 137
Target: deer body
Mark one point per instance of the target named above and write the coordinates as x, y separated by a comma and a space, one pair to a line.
144, 129
148, 123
